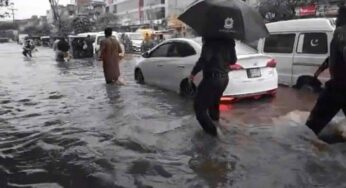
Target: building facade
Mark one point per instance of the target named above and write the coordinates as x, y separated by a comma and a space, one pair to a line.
154, 12
68, 11
82, 2
139, 12
93, 8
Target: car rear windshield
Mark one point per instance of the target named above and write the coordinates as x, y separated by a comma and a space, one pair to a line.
241, 48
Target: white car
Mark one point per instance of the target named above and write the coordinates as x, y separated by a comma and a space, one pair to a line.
169, 64
137, 40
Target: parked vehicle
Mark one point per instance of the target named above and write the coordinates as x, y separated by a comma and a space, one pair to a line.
100, 36
91, 34
300, 47
46, 41
21, 38
137, 40
169, 64
4, 40
78, 47
92, 37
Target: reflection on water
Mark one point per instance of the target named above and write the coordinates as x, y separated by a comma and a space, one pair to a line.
61, 126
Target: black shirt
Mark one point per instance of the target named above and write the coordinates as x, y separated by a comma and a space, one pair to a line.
216, 57
63, 46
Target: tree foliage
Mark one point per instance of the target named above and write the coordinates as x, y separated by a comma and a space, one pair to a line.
58, 22
38, 30
8, 26
275, 10
82, 24
4, 12
105, 21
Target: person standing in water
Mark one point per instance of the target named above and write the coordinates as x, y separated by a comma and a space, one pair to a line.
62, 50
110, 50
333, 98
216, 58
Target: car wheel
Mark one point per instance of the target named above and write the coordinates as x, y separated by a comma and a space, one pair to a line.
308, 82
187, 88
139, 76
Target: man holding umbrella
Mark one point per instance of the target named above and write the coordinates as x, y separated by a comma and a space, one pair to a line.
219, 23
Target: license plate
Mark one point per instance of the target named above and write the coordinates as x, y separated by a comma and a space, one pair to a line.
253, 73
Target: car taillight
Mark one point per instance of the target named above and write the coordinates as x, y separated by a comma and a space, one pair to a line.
236, 67
271, 63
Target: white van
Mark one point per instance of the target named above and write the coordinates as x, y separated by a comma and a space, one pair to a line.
300, 47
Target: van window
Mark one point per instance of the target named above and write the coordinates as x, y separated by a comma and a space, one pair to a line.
279, 43
313, 43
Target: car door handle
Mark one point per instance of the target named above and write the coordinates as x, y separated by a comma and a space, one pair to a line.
181, 66
159, 65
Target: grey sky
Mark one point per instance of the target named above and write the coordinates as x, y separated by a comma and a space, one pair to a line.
27, 8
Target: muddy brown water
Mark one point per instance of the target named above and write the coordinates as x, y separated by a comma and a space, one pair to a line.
61, 126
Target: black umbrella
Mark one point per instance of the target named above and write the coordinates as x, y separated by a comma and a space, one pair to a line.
225, 19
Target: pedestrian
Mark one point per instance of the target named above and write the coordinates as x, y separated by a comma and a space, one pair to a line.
28, 48
110, 50
147, 43
216, 58
333, 98
62, 49
153, 41
160, 39
89, 42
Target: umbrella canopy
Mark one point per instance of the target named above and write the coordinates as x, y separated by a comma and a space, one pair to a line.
225, 19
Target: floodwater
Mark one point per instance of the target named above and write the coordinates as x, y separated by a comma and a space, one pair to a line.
62, 126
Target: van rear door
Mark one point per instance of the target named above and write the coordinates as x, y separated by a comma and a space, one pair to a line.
312, 50
281, 47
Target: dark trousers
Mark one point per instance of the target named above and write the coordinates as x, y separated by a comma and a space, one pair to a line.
329, 103
207, 100
27, 52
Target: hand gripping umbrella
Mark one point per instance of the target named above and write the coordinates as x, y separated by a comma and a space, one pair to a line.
225, 19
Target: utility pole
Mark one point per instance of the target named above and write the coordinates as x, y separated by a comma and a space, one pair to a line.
12, 9
176, 8
55, 8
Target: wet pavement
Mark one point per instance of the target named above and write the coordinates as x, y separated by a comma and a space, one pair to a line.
62, 126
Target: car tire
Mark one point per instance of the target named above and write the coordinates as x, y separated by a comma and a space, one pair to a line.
139, 76
187, 89
309, 82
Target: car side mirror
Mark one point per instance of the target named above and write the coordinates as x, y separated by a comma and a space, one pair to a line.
145, 54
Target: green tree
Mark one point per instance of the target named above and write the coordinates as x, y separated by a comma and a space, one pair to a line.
8, 26
105, 21
275, 10
82, 24
3, 11
54, 4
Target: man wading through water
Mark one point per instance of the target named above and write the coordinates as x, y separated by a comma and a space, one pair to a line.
110, 50
215, 60
333, 98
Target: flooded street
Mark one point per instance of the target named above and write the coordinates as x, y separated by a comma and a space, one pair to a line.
62, 126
